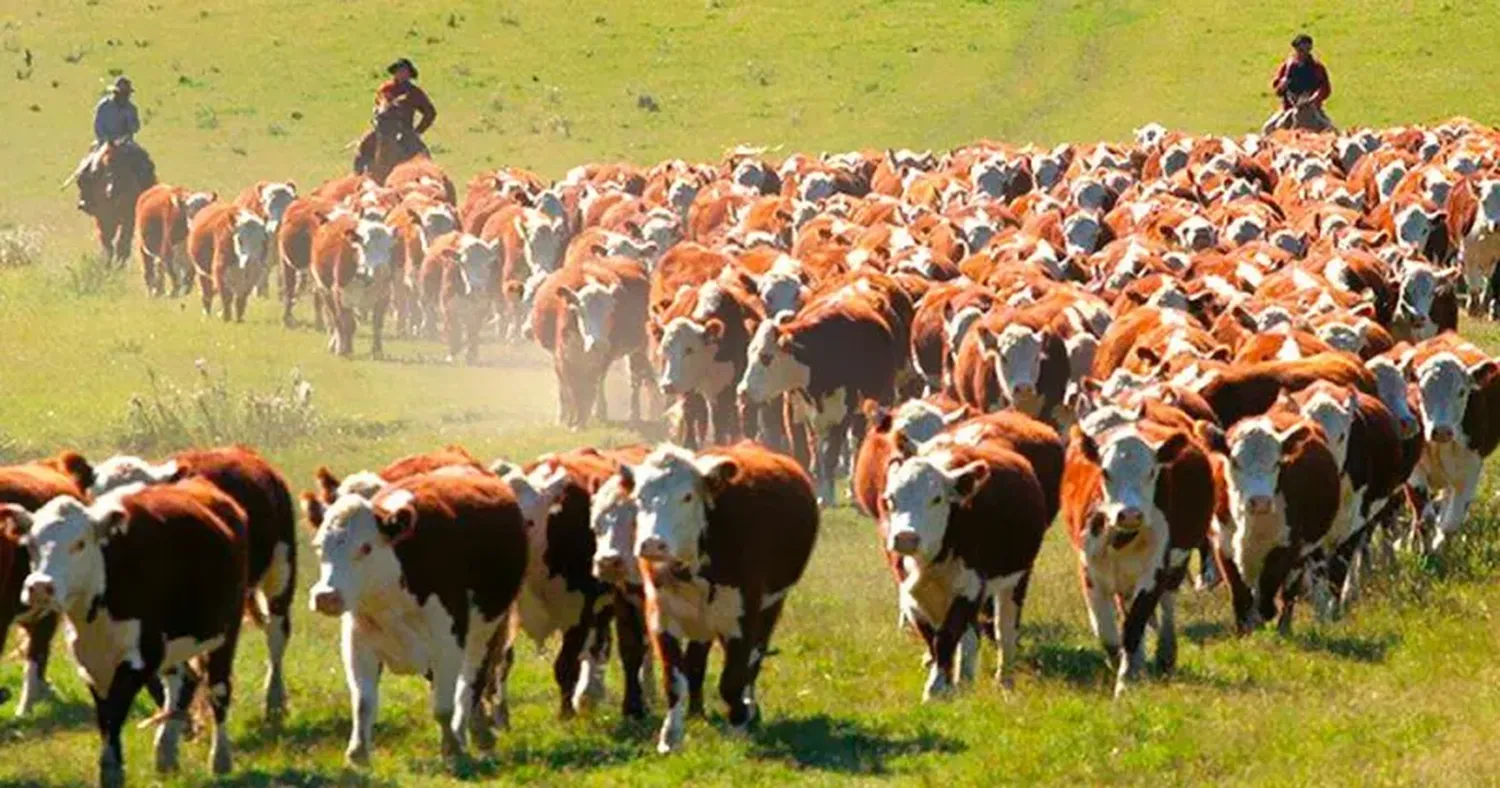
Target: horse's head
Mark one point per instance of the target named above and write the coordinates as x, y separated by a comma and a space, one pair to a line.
390, 121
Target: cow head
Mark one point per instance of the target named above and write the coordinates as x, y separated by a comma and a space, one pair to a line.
1196, 233
355, 541
436, 220
1391, 387
1420, 286
773, 368
374, 246
123, 469
1244, 229
1388, 178
781, 290
1334, 408
65, 540
957, 326
250, 239
1254, 468
661, 229
1081, 233
1414, 223
674, 492
1444, 385
612, 517
920, 494
544, 240
1130, 464
538, 495
920, 421
816, 186
687, 351
476, 264
195, 202
594, 306
274, 198
1090, 194
1348, 337
1018, 364
1150, 135
1488, 193
681, 194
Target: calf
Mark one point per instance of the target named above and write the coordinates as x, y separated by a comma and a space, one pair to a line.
1137, 501
423, 578
965, 525
148, 579
1427, 304
228, 248
271, 527
351, 266
1458, 394
455, 278
1277, 485
721, 537
703, 354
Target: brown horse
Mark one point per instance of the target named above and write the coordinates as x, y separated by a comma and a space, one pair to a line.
107, 191
394, 139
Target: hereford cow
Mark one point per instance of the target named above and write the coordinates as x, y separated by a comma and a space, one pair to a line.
351, 267
148, 578
455, 284
721, 537
1474, 224
228, 248
965, 525
271, 528
703, 354
1137, 500
1458, 393
423, 578
162, 216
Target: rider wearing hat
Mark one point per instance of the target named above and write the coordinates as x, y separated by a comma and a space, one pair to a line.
402, 96
1301, 80
116, 120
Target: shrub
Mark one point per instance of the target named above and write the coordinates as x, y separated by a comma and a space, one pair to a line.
20, 246
209, 412
92, 275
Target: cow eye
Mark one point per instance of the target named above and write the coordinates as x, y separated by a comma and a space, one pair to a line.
363, 550
688, 498
765, 359
937, 500
687, 351
77, 547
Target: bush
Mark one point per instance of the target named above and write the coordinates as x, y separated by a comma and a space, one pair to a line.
92, 275
170, 416
20, 246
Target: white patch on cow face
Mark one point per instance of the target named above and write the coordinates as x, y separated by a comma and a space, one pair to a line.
1342, 336
781, 292
816, 186
957, 326
1244, 230
1130, 469
1089, 194
1420, 284
672, 505
687, 356
681, 195
250, 239
374, 247
544, 242
1254, 468
123, 469
1173, 160
1435, 187
1336, 417
1196, 233
196, 202
1413, 226
661, 229
1081, 233
596, 314
1018, 363
537, 493
918, 499
1390, 387
1444, 386
437, 220
1489, 204
771, 370
66, 542
1149, 135
364, 484
612, 517
274, 198
919, 420
476, 264
1388, 178
355, 560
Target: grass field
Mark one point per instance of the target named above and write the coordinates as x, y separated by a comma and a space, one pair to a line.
1405, 690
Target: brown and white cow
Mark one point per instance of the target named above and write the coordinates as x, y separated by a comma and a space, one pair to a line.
1427, 304
228, 246
1458, 394
702, 352
1277, 486
1474, 224
148, 578
1137, 500
455, 284
721, 537
271, 526
423, 578
964, 525
163, 214
352, 271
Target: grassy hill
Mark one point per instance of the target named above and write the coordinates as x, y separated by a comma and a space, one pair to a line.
1402, 691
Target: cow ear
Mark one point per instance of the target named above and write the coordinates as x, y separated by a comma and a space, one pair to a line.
328, 484
1482, 372
314, 508
77, 467
292, 185
504, 468
716, 472
969, 479
398, 525
568, 296
15, 522
1364, 309
1086, 444
1170, 447
784, 338
1212, 436
904, 445
714, 329
110, 517
1221, 353
627, 478
1146, 354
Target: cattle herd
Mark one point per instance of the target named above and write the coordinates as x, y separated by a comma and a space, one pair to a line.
1239, 349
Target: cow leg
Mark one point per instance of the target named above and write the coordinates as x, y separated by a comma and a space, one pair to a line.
695, 662
346, 331
958, 623
34, 685
1208, 575
590, 687
724, 416
638, 371
150, 271
288, 293
446, 666
742, 661
1277, 577
565, 665
469, 683
691, 413
320, 306
1102, 617
1493, 291
1009, 599
1133, 650
473, 327
219, 676
675, 685
206, 292
377, 331
362, 672
110, 712
831, 449
506, 661
177, 691
275, 591
226, 295
1456, 501
630, 628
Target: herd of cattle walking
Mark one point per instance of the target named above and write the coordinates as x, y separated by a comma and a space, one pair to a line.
1243, 349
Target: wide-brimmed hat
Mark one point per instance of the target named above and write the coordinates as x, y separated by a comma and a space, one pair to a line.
1302, 40
121, 84
402, 63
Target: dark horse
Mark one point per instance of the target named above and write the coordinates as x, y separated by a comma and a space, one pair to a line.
107, 191
394, 140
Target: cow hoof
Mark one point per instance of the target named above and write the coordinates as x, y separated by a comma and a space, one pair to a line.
481, 735
166, 747
1007, 682
937, 687
220, 760
1120, 685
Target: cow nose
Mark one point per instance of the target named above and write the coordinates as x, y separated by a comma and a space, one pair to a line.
652, 548
905, 542
1129, 517
1261, 504
1442, 433
609, 567
328, 602
38, 592
1408, 427
1025, 390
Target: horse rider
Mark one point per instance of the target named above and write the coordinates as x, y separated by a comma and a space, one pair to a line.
116, 120
400, 95
1301, 82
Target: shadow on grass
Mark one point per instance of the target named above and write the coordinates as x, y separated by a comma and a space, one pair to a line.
266, 733
842, 745
1358, 648
302, 777
581, 752
1202, 633
52, 714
